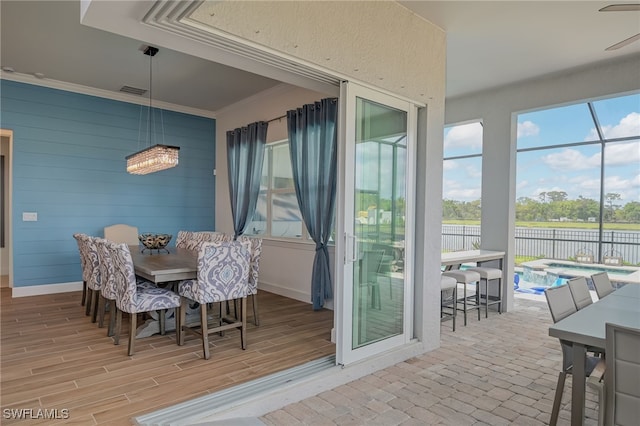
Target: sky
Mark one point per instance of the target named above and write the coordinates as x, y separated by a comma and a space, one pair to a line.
574, 170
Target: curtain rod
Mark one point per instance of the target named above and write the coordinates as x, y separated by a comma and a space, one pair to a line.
277, 118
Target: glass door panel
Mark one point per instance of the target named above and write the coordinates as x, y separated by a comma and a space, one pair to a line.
380, 173
378, 179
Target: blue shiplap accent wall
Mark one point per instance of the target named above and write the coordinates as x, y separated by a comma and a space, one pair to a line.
69, 166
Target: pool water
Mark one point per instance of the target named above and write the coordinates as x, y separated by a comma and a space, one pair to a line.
522, 286
591, 269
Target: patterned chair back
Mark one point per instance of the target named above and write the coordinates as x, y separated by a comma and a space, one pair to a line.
81, 239
256, 251
107, 269
183, 238
93, 263
125, 278
223, 273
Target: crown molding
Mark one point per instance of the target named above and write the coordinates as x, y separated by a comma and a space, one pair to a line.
101, 93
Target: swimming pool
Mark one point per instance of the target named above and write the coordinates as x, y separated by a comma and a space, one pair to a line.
591, 269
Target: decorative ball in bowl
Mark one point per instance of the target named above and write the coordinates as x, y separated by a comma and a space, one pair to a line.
152, 241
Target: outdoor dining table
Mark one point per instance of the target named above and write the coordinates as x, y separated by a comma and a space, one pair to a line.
586, 327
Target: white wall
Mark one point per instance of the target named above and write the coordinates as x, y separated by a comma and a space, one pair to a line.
497, 108
285, 266
381, 44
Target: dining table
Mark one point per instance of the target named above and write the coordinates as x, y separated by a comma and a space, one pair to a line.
175, 265
586, 328
165, 269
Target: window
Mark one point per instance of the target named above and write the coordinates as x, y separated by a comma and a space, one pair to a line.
578, 165
277, 214
461, 186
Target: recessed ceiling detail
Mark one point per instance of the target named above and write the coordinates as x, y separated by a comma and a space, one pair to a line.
133, 90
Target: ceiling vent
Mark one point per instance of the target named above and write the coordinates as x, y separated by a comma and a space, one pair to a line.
133, 90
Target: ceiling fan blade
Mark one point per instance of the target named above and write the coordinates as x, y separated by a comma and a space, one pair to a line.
628, 7
623, 43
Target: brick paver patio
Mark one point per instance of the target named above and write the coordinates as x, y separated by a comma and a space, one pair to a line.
498, 371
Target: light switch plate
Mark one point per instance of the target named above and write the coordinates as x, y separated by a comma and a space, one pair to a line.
29, 216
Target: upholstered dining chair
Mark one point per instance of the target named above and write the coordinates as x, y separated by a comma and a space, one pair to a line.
134, 299
223, 275
122, 233
183, 238
602, 284
580, 292
254, 271
86, 272
561, 305
95, 279
108, 288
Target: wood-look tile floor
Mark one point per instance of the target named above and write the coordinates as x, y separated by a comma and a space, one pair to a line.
54, 358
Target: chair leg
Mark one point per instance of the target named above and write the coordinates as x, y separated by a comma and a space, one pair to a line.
478, 299
87, 307
205, 330
254, 302
243, 316
464, 304
94, 305
555, 411
183, 321
162, 319
486, 298
112, 318
83, 302
102, 307
455, 305
133, 320
116, 338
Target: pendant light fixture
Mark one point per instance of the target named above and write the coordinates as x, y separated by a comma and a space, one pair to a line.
157, 157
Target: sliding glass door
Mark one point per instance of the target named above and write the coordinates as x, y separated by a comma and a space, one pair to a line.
377, 223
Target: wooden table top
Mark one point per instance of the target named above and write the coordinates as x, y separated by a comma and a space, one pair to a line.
178, 264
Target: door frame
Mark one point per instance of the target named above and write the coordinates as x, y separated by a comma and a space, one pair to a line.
345, 247
8, 197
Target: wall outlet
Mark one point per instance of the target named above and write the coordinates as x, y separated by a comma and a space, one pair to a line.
29, 216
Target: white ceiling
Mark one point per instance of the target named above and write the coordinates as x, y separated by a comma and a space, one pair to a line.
489, 44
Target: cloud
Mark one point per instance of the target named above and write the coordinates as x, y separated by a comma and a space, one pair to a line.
569, 159
469, 194
449, 165
473, 173
618, 154
527, 128
628, 126
464, 136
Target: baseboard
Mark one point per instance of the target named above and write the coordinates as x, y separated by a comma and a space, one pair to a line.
286, 292
36, 290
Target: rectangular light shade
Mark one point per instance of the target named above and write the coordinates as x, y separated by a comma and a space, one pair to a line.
152, 159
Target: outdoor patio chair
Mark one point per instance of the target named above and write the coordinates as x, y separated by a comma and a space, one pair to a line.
448, 299
580, 292
466, 277
622, 377
561, 305
223, 275
602, 284
488, 275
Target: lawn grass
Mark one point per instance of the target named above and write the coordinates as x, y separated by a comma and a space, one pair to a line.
573, 225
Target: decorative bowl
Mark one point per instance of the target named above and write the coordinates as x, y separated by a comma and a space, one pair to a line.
153, 241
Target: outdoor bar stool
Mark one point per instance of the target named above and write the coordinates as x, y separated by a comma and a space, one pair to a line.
486, 275
465, 277
448, 284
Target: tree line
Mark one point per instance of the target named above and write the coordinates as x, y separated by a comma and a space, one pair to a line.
552, 206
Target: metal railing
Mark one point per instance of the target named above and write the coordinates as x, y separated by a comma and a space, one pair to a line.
552, 243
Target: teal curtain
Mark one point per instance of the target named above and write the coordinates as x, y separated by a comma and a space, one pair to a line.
313, 148
245, 155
